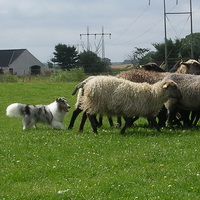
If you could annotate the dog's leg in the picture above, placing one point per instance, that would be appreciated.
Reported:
(57, 125)
(27, 122)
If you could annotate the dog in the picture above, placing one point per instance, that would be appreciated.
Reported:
(52, 115)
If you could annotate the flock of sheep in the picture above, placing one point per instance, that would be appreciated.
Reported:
(150, 92)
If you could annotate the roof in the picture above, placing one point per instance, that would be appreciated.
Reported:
(9, 56)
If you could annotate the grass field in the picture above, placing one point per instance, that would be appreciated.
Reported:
(54, 164)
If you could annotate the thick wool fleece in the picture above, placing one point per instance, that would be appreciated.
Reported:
(115, 96)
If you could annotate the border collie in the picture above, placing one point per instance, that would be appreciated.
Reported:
(52, 115)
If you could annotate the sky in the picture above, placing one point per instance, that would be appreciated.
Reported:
(39, 25)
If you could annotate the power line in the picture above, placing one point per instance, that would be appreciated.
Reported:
(165, 27)
(129, 26)
(102, 34)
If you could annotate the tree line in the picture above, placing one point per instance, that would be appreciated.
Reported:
(66, 57)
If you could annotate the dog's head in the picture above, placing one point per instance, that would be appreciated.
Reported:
(62, 104)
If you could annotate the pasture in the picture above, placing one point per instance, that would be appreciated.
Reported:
(54, 164)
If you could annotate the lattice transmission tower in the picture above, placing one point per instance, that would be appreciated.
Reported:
(165, 28)
(102, 34)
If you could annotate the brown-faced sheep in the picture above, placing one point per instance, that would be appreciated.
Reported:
(189, 67)
(113, 96)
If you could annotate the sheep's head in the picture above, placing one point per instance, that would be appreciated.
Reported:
(172, 89)
(152, 67)
(189, 67)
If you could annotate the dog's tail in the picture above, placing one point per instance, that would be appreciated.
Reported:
(14, 110)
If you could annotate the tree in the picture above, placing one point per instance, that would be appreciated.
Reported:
(160, 50)
(91, 63)
(174, 50)
(186, 46)
(137, 55)
(65, 56)
(178, 49)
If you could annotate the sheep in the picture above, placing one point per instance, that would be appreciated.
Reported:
(152, 67)
(114, 96)
(78, 110)
(139, 76)
(189, 86)
(189, 67)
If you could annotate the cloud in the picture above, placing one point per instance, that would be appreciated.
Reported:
(39, 25)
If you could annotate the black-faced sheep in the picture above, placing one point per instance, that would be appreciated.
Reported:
(152, 67)
(113, 96)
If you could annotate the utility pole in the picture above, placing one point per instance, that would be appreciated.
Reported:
(165, 29)
(102, 34)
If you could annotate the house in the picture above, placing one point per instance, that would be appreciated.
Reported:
(20, 62)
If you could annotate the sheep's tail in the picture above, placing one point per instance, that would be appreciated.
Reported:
(81, 85)
(14, 110)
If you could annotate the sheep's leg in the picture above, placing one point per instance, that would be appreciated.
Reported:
(154, 123)
(195, 117)
(83, 120)
(74, 116)
(98, 124)
(92, 119)
(128, 121)
(162, 117)
(119, 121)
(186, 120)
(110, 121)
(133, 120)
(100, 121)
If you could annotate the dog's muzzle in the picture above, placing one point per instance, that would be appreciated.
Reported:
(65, 108)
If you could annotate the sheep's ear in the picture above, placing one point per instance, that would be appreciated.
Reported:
(141, 66)
(165, 86)
(185, 63)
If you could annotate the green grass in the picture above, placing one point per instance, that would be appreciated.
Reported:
(54, 164)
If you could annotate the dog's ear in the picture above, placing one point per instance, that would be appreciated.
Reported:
(59, 99)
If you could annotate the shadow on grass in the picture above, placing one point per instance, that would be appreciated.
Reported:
(146, 131)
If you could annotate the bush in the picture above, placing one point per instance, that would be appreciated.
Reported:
(7, 77)
(92, 64)
(67, 76)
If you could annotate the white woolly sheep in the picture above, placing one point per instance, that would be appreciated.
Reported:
(113, 96)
